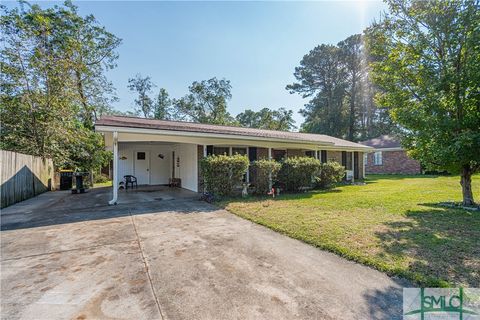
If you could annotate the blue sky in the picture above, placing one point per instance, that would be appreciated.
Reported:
(256, 45)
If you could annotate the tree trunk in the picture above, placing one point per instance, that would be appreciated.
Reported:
(466, 182)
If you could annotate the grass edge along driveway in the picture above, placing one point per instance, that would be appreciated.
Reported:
(393, 224)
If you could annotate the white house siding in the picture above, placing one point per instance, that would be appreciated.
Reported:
(160, 169)
(186, 168)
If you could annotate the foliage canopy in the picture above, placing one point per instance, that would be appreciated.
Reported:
(427, 63)
(53, 83)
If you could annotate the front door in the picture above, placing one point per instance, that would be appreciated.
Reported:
(142, 167)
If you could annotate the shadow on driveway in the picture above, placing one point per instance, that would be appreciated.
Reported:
(61, 207)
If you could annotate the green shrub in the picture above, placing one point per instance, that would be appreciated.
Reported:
(330, 173)
(263, 169)
(298, 172)
(100, 178)
(221, 174)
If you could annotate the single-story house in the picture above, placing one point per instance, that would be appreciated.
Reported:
(156, 150)
(389, 157)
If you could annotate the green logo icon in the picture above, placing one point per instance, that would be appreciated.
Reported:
(440, 303)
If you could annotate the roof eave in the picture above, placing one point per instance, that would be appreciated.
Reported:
(130, 129)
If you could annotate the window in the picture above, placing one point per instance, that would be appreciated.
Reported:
(241, 151)
(310, 153)
(377, 158)
(365, 158)
(140, 155)
(279, 155)
(221, 150)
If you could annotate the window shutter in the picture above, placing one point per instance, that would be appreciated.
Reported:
(252, 154)
(209, 150)
(344, 158)
(323, 156)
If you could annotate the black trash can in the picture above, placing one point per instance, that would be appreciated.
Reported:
(66, 179)
(79, 187)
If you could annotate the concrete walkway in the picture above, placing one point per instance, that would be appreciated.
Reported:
(175, 258)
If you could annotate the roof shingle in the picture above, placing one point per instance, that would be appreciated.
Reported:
(382, 142)
(134, 122)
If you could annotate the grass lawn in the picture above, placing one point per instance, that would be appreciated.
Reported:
(103, 184)
(392, 223)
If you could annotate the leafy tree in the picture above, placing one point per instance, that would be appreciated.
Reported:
(48, 97)
(91, 51)
(351, 53)
(280, 119)
(427, 63)
(322, 76)
(142, 86)
(162, 106)
(337, 81)
(206, 102)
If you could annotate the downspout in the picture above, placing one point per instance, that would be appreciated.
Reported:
(115, 169)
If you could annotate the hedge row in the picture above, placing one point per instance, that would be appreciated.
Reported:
(221, 174)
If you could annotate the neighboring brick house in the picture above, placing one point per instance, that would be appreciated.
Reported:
(389, 157)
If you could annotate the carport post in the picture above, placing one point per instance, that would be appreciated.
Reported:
(353, 166)
(270, 174)
(363, 164)
(115, 169)
(247, 177)
(205, 154)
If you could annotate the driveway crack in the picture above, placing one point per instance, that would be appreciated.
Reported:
(146, 265)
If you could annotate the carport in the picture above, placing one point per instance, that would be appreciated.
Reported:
(153, 158)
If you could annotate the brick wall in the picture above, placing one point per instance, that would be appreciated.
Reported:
(360, 165)
(262, 153)
(334, 156)
(295, 153)
(394, 162)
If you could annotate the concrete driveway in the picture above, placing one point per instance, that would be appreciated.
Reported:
(175, 258)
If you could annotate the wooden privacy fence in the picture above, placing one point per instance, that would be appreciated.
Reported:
(23, 176)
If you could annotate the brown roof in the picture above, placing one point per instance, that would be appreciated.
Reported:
(382, 142)
(134, 122)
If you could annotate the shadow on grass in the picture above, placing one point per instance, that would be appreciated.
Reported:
(443, 243)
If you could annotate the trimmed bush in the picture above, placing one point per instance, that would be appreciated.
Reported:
(221, 174)
(263, 169)
(329, 174)
(298, 173)
(100, 178)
